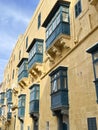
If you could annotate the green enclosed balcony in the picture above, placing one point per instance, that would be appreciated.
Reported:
(9, 96)
(59, 89)
(34, 100)
(35, 59)
(23, 71)
(21, 106)
(57, 26)
(2, 97)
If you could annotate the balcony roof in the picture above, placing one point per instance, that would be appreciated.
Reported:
(54, 10)
(93, 48)
(21, 61)
(21, 95)
(33, 42)
(33, 86)
(57, 69)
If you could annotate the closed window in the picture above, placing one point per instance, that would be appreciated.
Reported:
(78, 8)
(39, 20)
(19, 54)
(92, 123)
(26, 42)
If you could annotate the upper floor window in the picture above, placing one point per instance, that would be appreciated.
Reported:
(26, 42)
(19, 54)
(59, 79)
(39, 20)
(92, 123)
(78, 8)
(13, 74)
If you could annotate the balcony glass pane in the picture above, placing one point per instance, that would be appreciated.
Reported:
(96, 69)
(65, 17)
(95, 56)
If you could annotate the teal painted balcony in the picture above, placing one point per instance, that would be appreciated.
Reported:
(34, 99)
(23, 69)
(9, 96)
(34, 106)
(2, 97)
(62, 28)
(9, 116)
(59, 89)
(35, 51)
(59, 100)
(57, 26)
(21, 106)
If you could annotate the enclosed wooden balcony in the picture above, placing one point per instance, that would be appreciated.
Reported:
(35, 59)
(23, 72)
(57, 26)
(59, 89)
(34, 100)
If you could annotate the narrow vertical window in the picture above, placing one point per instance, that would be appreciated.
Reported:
(39, 20)
(47, 125)
(19, 54)
(78, 8)
(92, 123)
(26, 42)
(13, 74)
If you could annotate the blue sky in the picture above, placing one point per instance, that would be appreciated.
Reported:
(15, 16)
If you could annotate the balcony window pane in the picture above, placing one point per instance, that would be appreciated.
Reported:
(65, 17)
(96, 56)
(54, 86)
(96, 69)
(58, 19)
(65, 9)
(65, 82)
(54, 24)
(37, 94)
(58, 83)
(40, 49)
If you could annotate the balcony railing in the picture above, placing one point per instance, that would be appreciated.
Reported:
(34, 106)
(37, 58)
(62, 28)
(23, 74)
(21, 112)
(59, 100)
